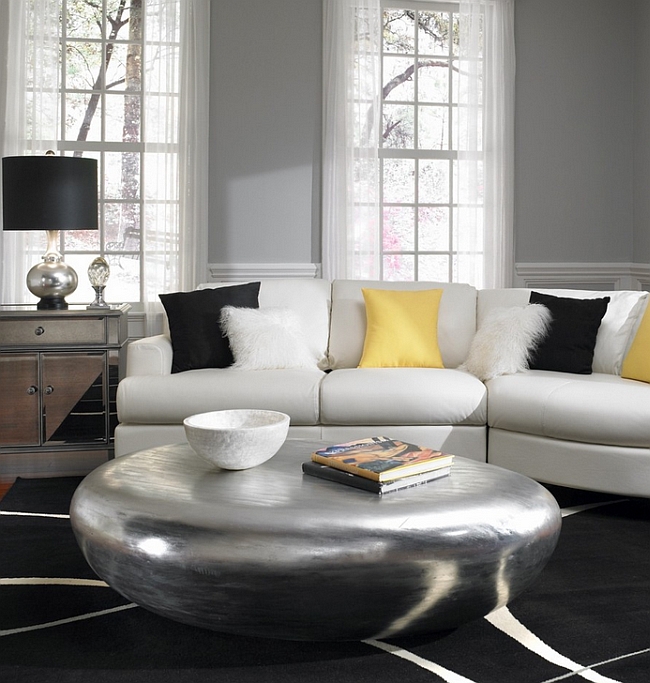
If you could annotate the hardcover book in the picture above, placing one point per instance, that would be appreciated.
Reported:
(315, 469)
(382, 459)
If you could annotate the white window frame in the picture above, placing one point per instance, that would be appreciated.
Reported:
(418, 154)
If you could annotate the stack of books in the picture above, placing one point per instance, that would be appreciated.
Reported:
(378, 464)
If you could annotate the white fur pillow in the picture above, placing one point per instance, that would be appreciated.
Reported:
(503, 343)
(265, 338)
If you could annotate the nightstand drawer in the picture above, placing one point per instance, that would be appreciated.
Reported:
(48, 332)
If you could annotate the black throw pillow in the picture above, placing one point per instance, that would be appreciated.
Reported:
(193, 318)
(571, 339)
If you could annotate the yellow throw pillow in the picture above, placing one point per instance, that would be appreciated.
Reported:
(402, 329)
(637, 362)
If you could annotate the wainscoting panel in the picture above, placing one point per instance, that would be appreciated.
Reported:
(600, 276)
(241, 272)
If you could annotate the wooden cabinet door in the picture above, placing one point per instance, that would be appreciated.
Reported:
(74, 405)
(19, 400)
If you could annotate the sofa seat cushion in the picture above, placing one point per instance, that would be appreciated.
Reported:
(598, 408)
(402, 396)
(170, 399)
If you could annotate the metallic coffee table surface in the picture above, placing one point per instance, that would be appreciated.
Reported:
(274, 553)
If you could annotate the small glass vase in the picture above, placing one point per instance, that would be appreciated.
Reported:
(98, 274)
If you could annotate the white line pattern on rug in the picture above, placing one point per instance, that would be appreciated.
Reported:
(10, 513)
(593, 666)
(567, 512)
(51, 581)
(505, 621)
(445, 674)
(70, 620)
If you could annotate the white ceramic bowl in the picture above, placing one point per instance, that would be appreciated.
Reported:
(237, 439)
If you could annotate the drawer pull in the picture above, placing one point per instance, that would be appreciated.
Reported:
(49, 389)
(39, 331)
(32, 390)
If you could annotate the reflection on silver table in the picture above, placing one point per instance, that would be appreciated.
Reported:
(270, 552)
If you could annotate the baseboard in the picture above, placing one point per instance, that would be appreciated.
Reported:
(239, 272)
(605, 276)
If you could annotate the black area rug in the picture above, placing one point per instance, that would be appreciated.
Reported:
(586, 618)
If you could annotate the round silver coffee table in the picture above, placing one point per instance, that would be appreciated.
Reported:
(274, 553)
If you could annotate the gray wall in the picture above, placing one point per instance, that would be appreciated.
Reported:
(574, 130)
(578, 182)
(265, 111)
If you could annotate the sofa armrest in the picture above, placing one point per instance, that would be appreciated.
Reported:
(149, 356)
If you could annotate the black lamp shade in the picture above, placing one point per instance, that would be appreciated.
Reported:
(49, 193)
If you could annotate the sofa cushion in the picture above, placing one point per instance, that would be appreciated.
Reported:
(456, 319)
(194, 324)
(401, 329)
(598, 408)
(402, 396)
(570, 341)
(308, 298)
(614, 333)
(503, 343)
(637, 361)
(265, 338)
(169, 399)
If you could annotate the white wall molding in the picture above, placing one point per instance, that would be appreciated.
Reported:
(238, 272)
(641, 275)
(605, 276)
(137, 327)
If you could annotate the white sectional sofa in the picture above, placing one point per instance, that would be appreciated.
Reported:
(588, 431)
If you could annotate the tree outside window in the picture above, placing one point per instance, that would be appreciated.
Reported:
(105, 66)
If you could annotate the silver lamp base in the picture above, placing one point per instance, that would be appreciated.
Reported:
(52, 281)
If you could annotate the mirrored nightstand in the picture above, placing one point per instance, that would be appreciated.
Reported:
(59, 372)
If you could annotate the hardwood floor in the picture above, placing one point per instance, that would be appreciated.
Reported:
(4, 487)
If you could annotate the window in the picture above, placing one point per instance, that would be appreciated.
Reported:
(107, 68)
(419, 142)
(125, 82)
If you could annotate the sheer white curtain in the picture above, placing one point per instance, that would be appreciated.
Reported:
(485, 167)
(31, 118)
(351, 109)
(194, 126)
(176, 82)
(484, 139)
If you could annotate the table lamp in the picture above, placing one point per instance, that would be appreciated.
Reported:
(50, 193)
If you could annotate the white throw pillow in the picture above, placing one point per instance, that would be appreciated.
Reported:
(503, 343)
(266, 339)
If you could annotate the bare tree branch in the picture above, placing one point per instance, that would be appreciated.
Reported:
(407, 74)
(116, 25)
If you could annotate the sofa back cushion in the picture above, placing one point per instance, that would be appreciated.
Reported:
(456, 319)
(308, 298)
(614, 333)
